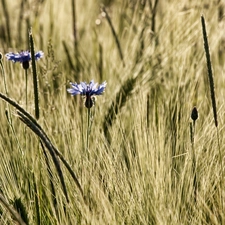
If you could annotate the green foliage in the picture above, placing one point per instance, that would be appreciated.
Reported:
(151, 159)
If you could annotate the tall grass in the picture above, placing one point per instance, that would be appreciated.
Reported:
(142, 167)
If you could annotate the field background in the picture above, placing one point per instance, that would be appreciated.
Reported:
(141, 166)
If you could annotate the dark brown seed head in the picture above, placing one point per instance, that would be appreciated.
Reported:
(194, 114)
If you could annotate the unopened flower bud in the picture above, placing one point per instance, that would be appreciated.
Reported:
(194, 114)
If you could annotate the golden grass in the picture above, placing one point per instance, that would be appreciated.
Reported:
(145, 173)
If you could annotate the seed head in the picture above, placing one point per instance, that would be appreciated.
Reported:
(194, 114)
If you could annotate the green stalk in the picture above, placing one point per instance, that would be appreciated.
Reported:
(194, 166)
(194, 117)
(88, 128)
(26, 86)
(25, 130)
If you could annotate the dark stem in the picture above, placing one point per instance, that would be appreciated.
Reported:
(35, 78)
(210, 73)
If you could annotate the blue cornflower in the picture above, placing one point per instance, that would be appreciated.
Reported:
(23, 57)
(87, 90)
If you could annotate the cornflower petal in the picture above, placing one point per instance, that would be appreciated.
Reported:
(16, 57)
(39, 55)
(83, 87)
(93, 87)
(101, 88)
(75, 90)
(23, 56)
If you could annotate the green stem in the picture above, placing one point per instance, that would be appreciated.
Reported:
(26, 87)
(88, 128)
(221, 167)
(194, 166)
(25, 132)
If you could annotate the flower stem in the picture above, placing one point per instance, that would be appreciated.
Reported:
(25, 131)
(26, 86)
(88, 128)
(194, 164)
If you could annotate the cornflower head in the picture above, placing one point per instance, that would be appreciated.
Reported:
(23, 57)
(87, 90)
